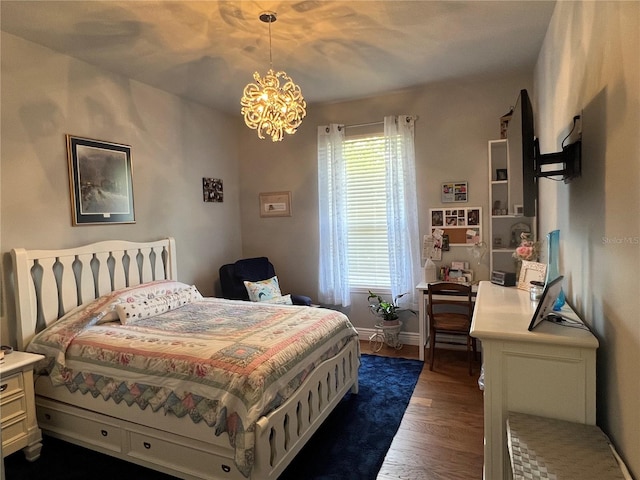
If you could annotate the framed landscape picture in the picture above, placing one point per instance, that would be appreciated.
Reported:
(100, 181)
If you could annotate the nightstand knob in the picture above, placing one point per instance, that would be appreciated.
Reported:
(3, 387)
(104, 433)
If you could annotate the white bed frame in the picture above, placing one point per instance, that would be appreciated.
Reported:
(49, 283)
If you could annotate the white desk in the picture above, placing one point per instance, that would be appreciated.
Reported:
(423, 321)
(549, 372)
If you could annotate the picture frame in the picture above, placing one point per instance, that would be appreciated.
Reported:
(531, 271)
(452, 192)
(501, 174)
(275, 204)
(100, 181)
(461, 225)
(518, 210)
(212, 190)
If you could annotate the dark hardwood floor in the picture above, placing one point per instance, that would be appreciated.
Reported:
(441, 434)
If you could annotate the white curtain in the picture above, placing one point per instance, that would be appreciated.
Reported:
(402, 208)
(334, 259)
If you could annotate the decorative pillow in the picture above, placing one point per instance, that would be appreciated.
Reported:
(157, 305)
(144, 291)
(282, 300)
(263, 290)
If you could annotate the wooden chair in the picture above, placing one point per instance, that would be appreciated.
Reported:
(449, 315)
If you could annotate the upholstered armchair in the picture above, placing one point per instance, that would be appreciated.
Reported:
(233, 276)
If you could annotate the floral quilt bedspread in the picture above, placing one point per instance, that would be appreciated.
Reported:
(220, 361)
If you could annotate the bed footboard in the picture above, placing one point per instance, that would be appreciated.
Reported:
(281, 434)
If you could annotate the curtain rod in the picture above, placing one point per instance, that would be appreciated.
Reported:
(356, 125)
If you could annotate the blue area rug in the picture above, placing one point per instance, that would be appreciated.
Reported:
(350, 445)
(353, 441)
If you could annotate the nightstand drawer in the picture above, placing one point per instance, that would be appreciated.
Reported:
(12, 408)
(11, 385)
(14, 431)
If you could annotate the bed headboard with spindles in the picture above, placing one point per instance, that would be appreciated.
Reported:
(49, 283)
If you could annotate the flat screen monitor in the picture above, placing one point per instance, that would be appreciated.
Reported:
(545, 305)
(522, 154)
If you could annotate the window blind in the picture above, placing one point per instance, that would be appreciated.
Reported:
(366, 211)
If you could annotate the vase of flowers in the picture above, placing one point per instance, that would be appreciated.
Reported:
(528, 250)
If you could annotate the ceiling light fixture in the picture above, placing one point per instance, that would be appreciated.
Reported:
(268, 106)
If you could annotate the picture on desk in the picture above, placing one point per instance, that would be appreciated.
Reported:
(545, 304)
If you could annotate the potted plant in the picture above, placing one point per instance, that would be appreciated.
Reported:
(388, 311)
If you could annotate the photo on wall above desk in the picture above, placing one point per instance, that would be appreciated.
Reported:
(462, 226)
(454, 192)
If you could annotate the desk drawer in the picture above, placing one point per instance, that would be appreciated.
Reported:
(11, 385)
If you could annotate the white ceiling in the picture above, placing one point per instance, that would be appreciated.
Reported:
(207, 51)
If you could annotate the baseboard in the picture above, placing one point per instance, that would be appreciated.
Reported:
(452, 342)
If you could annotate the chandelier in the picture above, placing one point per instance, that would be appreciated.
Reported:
(273, 105)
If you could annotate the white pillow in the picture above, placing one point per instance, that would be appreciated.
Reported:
(282, 300)
(128, 312)
(144, 291)
(263, 290)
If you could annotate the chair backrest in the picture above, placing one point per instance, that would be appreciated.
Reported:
(233, 276)
(445, 297)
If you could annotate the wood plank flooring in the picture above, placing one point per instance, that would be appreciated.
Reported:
(441, 434)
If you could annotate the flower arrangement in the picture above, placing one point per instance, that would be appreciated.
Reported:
(528, 249)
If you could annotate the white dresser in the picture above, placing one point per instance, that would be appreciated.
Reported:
(17, 406)
(549, 372)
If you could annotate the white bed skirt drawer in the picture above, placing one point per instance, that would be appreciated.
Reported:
(87, 430)
(160, 451)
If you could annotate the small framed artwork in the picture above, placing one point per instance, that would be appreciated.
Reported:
(501, 174)
(212, 190)
(437, 220)
(518, 210)
(275, 204)
(100, 181)
(454, 192)
(531, 271)
(473, 217)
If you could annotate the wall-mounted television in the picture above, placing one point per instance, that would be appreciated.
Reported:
(565, 165)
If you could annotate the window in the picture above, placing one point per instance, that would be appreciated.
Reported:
(366, 211)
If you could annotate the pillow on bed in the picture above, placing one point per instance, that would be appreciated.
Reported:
(144, 291)
(282, 300)
(157, 305)
(263, 290)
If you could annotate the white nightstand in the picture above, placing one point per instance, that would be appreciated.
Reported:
(17, 406)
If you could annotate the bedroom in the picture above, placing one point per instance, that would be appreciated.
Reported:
(588, 61)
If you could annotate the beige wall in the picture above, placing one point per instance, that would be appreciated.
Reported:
(456, 119)
(589, 64)
(174, 144)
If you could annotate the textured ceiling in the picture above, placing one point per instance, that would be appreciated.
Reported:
(207, 51)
